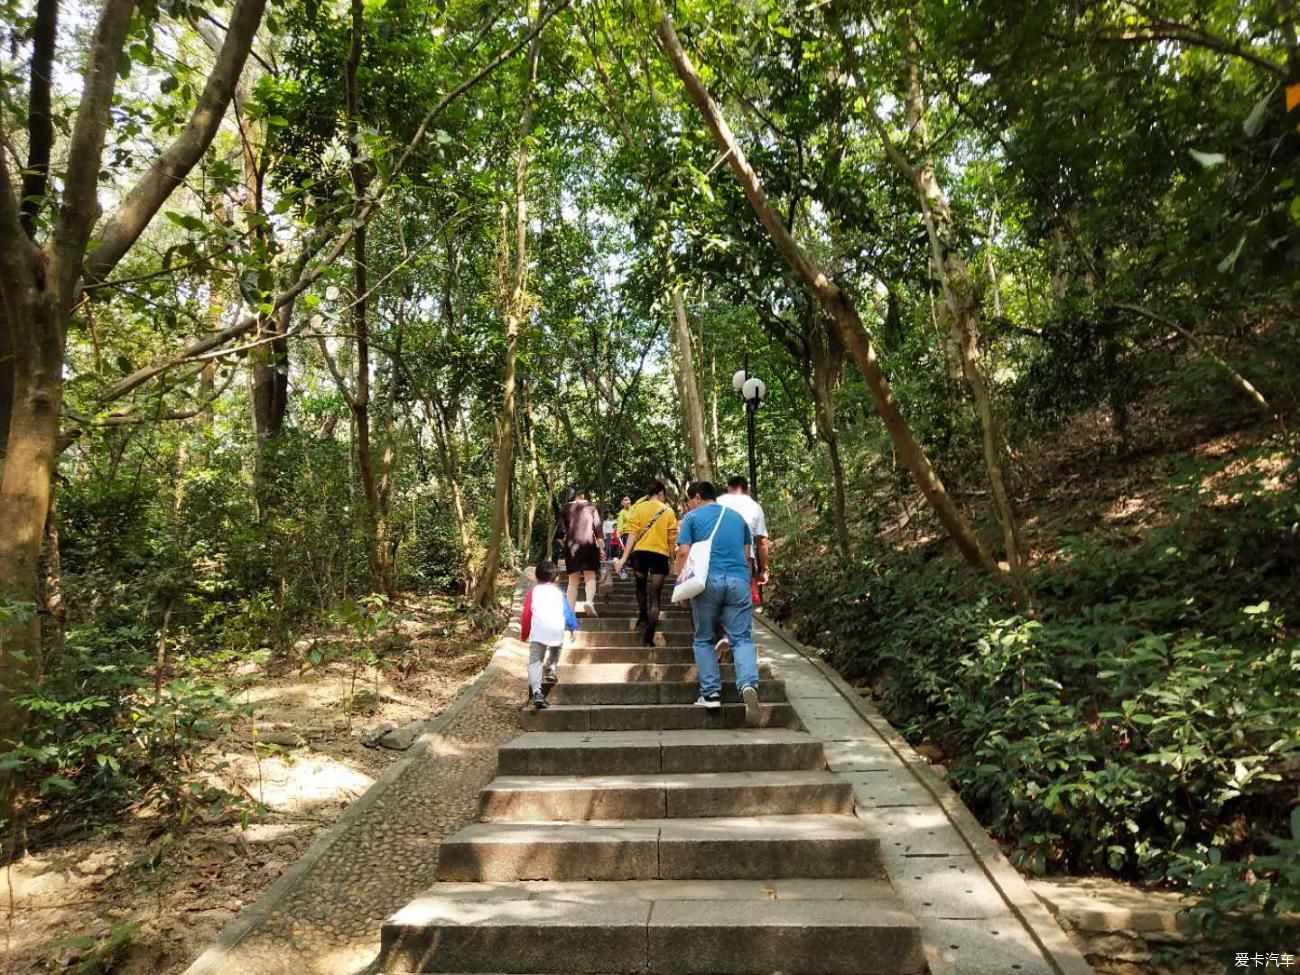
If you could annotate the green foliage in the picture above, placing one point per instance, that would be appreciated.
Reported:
(102, 734)
(1144, 721)
(101, 953)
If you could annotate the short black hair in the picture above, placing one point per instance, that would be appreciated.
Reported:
(739, 481)
(580, 491)
(654, 487)
(702, 489)
(545, 570)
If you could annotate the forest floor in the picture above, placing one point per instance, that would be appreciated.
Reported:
(165, 895)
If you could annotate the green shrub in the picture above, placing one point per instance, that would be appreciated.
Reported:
(1143, 720)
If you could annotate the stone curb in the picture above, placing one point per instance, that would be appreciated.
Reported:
(213, 959)
(1056, 946)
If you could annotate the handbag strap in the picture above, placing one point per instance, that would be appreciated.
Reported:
(646, 530)
(718, 524)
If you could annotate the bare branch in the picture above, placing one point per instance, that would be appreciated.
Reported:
(16, 248)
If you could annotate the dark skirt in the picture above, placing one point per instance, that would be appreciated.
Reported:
(582, 558)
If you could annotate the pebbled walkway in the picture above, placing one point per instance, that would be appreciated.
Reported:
(329, 920)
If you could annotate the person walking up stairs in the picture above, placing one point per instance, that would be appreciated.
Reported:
(652, 535)
(546, 617)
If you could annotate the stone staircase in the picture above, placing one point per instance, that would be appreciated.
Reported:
(629, 831)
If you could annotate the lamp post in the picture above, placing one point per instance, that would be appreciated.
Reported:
(752, 390)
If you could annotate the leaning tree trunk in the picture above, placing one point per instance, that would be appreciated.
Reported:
(836, 305)
(516, 307)
(692, 406)
(960, 305)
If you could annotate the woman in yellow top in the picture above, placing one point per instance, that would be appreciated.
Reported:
(623, 529)
(652, 535)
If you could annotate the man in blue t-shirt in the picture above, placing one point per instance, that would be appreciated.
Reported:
(726, 595)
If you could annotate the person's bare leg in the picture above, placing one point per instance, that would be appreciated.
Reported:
(573, 589)
(591, 578)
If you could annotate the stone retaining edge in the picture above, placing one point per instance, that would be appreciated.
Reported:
(213, 957)
(1046, 931)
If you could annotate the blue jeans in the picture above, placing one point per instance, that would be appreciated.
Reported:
(726, 596)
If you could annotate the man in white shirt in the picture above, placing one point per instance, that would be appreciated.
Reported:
(738, 500)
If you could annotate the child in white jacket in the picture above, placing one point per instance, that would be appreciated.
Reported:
(547, 615)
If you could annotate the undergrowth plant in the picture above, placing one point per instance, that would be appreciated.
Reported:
(1141, 719)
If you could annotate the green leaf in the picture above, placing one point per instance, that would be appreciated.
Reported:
(1208, 159)
(51, 782)
(1229, 262)
(1254, 123)
(82, 941)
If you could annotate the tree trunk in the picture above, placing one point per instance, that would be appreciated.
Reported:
(995, 289)
(515, 311)
(376, 521)
(960, 305)
(692, 408)
(37, 287)
(26, 488)
(837, 306)
(826, 355)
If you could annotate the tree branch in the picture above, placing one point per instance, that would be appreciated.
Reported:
(1162, 30)
(170, 169)
(1245, 384)
(86, 148)
(16, 248)
(40, 121)
(307, 279)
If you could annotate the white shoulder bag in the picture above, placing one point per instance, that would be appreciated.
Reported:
(695, 573)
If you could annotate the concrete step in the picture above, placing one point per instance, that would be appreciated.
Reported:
(723, 848)
(652, 692)
(628, 610)
(798, 927)
(627, 597)
(606, 638)
(612, 673)
(670, 796)
(628, 655)
(649, 717)
(649, 752)
(606, 624)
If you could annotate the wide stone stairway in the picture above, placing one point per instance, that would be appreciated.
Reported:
(630, 831)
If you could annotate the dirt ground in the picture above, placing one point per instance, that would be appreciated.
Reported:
(126, 901)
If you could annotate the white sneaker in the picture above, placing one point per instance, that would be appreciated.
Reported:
(722, 648)
(753, 713)
(711, 701)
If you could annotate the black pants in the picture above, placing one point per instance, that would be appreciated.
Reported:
(651, 571)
